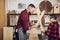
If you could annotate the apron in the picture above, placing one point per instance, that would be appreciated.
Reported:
(33, 34)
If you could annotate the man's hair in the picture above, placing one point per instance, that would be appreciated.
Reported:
(32, 5)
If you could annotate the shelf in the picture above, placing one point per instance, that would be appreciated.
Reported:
(8, 18)
(36, 14)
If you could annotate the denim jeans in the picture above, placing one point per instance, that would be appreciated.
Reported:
(53, 38)
(22, 36)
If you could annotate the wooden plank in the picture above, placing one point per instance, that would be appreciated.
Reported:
(8, 33)
(2, 17)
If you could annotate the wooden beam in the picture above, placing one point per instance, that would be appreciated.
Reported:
(2, 17)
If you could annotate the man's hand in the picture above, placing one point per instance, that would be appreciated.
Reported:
(16, 30)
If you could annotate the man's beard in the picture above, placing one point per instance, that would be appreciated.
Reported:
(29, 13)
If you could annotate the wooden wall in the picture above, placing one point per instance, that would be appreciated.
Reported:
(2, 17)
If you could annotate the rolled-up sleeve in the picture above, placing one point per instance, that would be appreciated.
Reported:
(19, 23)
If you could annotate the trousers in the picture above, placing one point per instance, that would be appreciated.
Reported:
(22, 36)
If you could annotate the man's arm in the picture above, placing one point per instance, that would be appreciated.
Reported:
(18, 23)
(19, 20)
(25, 21)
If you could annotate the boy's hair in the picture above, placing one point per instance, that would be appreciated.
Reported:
(53, 16)
(32, 5)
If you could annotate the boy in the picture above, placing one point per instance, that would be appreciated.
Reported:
(53, 29)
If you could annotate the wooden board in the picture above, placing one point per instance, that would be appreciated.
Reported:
(8, 33)
(33, 34)
(2, 17)
(45, 5)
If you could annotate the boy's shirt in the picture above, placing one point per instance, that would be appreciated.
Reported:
(53, 29)
(59, 32)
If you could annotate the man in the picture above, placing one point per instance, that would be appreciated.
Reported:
(53, 29)
(23, 21)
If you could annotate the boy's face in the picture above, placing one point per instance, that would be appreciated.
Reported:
(52, 20)
(32, 23)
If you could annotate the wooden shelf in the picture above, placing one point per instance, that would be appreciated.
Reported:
(8, 18)
(36, 14)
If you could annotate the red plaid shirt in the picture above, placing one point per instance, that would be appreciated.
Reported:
(53, 29)
(23, 20)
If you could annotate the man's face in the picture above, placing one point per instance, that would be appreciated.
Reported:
(52, 20)
(31, 9)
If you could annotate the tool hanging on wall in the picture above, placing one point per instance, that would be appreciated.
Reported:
(45, 5)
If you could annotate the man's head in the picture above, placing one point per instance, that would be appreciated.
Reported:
(52, 19)
(31, 8)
